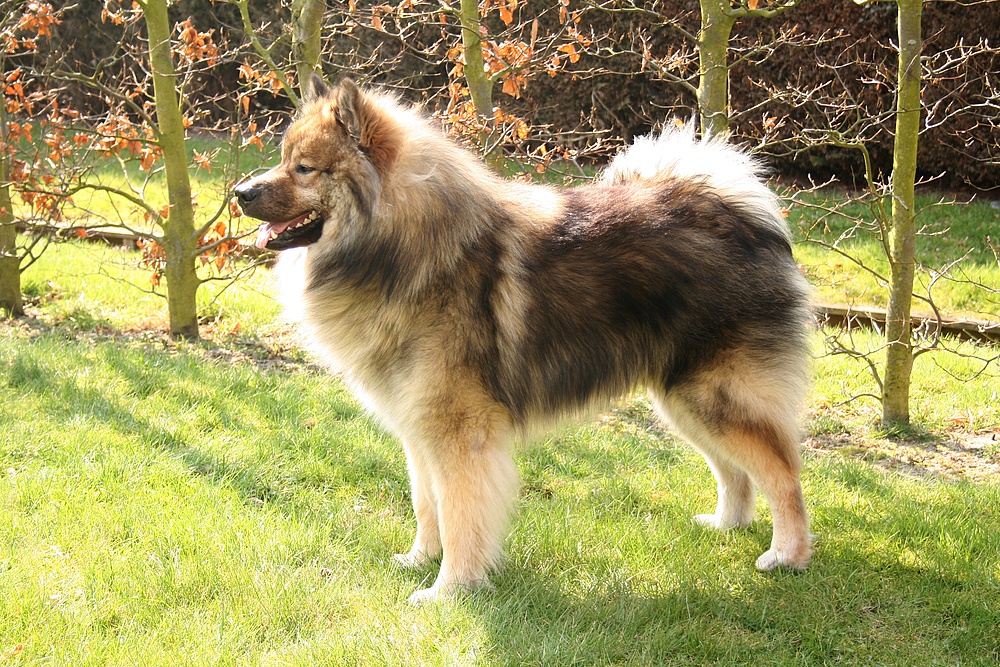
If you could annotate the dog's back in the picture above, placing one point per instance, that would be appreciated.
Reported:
(643, 283)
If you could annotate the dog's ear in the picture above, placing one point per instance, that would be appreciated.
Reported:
(371, 130)
(349, 109)
(316, 88)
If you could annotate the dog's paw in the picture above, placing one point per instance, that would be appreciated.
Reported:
(773, 559)
(448, 591)
(426, 596)
(410, 561)
(719, 522)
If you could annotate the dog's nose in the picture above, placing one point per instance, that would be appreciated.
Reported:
(245, 193)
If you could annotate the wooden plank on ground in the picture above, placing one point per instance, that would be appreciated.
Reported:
(866, 317)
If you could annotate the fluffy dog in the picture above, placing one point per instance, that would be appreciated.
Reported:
(466, 310)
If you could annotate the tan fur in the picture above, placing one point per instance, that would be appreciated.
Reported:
(435, 289)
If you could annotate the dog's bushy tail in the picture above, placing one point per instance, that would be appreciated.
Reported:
(676, 153)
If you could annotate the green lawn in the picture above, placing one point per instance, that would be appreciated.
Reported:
(168, 504)
(227, 503)
(949, 232)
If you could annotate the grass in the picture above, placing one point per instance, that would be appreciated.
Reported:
(161, 506)
(952, 387)
(949, 232)
(226, 503)
(97, 286)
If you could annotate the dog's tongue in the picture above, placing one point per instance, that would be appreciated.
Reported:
(269, 230)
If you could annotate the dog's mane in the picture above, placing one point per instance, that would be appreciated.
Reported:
(436, 193)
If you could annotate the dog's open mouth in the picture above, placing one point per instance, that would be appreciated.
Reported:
(300, 231)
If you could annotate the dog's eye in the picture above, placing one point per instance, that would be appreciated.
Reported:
(304, 169)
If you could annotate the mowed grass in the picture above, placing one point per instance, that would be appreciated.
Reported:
(160, 507)
(950, 231)
(227, 503)
(96, 287)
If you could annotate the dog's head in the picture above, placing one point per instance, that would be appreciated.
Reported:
(333, 158)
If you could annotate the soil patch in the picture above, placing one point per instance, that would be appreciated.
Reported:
(971, 455)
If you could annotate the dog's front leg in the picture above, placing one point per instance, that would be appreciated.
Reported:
(475, 481)
(427, 544)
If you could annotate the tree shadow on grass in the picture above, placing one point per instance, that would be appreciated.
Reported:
(904, 573)
(777, 622)
(848, 608)
(176, 381)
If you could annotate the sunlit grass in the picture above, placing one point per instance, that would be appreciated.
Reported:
(95, 285)
(161, 507)
(959, 385)
(950, 232)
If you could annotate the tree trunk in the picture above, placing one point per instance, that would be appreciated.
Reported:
(10, 263)
(713, 81)
(307, 45)
(179, 237)
(479, 83)
(480, 86)
(903, 234)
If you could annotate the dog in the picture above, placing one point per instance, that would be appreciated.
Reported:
(466, 310)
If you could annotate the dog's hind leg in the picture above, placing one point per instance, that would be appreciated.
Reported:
(747, 431)
(427, 543)
(735, 507)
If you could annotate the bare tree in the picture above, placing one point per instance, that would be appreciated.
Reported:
(479, 84)
(717, 20)
(144, 97)
(888, 103)
(179, 239)
(10, 260)
(20, 29)
(307, 37)
(489, 51)
(903, 231)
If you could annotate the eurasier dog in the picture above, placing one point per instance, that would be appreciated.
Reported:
(466, 310)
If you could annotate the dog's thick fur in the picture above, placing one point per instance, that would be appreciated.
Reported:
(465, 310)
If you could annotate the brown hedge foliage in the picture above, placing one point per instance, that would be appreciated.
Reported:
(613, 91)
(964, 150)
